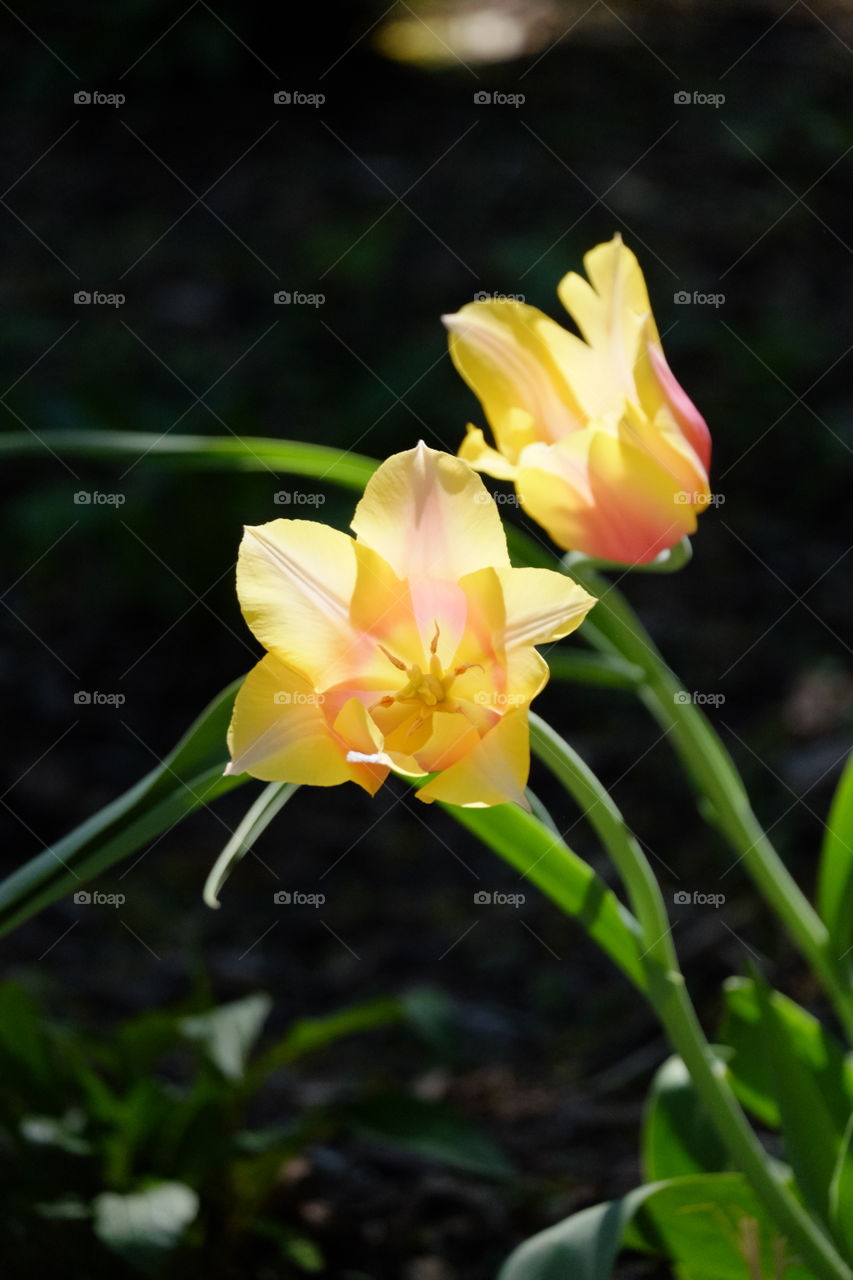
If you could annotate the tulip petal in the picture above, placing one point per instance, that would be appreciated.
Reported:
(453, 736)
(295, 580)
(495, 772)
(429, 516)
(629, 508)
(541, 606)
(519, 363)
(527, 673)
(278, 731)
(612, 308)
(482, 457)
(653, 374)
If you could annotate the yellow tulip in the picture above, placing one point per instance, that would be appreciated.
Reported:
(606, 451)
(408, 647)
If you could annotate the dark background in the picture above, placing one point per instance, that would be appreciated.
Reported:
(397, 199)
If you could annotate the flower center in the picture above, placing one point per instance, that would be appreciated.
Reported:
(429, 689)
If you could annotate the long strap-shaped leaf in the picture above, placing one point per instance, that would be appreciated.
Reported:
(545, 860)
(188, 777)
(192, 775)
(243, 453)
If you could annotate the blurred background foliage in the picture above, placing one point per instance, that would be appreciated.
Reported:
(398, 199)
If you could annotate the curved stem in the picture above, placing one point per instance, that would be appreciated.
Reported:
(614, 628)
(668, 996)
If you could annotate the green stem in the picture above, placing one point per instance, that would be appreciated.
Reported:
(667, 993)
(614, 628)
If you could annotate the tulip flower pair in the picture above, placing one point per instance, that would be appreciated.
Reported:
(410, 647)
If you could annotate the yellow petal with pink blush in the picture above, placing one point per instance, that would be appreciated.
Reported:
(630, 507)
(430, 516)
(278, 730)
(495, 772)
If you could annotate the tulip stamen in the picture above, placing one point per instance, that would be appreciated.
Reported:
(401, 666)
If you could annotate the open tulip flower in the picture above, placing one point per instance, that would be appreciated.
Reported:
(606, 451)
(408, 647)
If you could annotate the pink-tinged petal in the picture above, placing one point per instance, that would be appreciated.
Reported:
(682, 408)
(630, 509)
(430, 516)
(279, 733)
(441, 609)
(295, 580)
(495, 772)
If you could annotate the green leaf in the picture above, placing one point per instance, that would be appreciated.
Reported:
(583, 1247)
(229, 1033)
(299, 1250)
(712, 1227)
(841, 1194)
(835, 877)
(146, 1225)
(190, 776)
(33, 1068)
(812, 1138)
(428, 1011)
(546, 861)
(254, 823)
(679, 1138)
(430, 1130)
(751, 1073)
(229, 453)
(601, 669)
